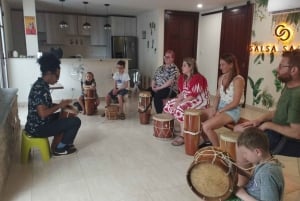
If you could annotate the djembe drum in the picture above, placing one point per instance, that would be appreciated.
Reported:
(212, 175)
(144, 107)
(66, 112)
(111, 112)
(163, 126)
(228, 143)
(192, 129)
(90, 100)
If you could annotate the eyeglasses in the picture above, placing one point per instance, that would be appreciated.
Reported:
(283, 65)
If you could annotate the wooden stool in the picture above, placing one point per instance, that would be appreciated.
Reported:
(28, 142)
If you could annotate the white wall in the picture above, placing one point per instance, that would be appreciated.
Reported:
(149, 58)
(208, 48)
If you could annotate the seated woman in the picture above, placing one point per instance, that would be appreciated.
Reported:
(226, 107)
(193, 94)
(90, 84)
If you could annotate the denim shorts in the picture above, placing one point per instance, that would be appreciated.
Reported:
(122, 92)
(234, 113)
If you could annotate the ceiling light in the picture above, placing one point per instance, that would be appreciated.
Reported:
(63, 24)
(86, 25)
(107, 26)
(199, 5)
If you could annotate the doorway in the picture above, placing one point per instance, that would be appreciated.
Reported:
(236, 37)
(181, 31)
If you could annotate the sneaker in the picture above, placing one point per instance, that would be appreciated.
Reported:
(64, 151)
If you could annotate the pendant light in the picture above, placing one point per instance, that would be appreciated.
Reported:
(86, 25)
(107, 26)
(63, 24)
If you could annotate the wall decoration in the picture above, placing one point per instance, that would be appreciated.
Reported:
(30, 25)
(152, 27)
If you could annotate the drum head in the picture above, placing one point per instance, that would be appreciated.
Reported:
(145, 94)
(209, 181)
(229, 136)
(192, 112)
(163, 117)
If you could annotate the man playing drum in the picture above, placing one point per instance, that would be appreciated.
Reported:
(42, 118)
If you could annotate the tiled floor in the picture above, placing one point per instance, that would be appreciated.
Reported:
(118, 160)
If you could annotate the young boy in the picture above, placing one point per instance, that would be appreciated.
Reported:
(121, 83)
(266, 182)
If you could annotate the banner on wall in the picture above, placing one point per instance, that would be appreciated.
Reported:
(30, 25)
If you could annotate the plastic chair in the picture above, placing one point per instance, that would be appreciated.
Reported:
(29, 142)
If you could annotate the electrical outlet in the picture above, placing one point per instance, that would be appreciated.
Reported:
(72, 89)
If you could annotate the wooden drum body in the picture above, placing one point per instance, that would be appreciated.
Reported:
(111, 112)
(163, 125)
(212, 176)
(144, 107)
(90, 105)
(67, 112)
(228, 143)
(192, 129)
(89, 92)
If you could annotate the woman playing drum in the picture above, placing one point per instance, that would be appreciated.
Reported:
(193, 94)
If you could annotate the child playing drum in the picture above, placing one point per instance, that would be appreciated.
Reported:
(266, 182)
(89, 91)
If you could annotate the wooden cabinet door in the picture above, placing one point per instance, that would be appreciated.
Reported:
(130, 26)
(98, 33)
(72, 22)
(41, 22)
(117, 26)
(54, 34)
(18, 32)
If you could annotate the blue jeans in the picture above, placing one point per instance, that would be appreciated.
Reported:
(67, 126)
(233, 113)
(281, 145)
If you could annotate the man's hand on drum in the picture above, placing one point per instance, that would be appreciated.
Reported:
(241, 127)
(65, 103)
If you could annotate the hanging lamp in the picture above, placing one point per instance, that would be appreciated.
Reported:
(107, 26)
(63, 24)
(86, 25)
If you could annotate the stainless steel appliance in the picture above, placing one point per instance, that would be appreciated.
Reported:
(125, 47)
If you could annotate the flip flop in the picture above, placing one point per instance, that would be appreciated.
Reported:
(179, 140)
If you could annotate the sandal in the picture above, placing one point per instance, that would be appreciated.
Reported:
(205, 144)
(179, 140)
(121, 116)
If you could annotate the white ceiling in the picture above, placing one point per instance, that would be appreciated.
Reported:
(128, 7)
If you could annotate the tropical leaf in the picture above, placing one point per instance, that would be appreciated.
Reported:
(271, 57)
(278, 84)
(267, 99)
(251, 82)
(257, 58)
(262, 56)
(258, 83)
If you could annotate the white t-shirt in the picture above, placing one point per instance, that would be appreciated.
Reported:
(121, 78)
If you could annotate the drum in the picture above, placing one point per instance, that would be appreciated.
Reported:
(111, 112)
(163, 125)
(89, 92)
(66, 112)
(144, 106)
(228, 143)
(192, 129)
(90, 105)
(212, 175)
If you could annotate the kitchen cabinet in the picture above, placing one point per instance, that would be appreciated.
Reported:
(73, 24)
(98, 34)
(54, 34)
(41, 22)
(81, 20)
(18, 31)
(123, 26)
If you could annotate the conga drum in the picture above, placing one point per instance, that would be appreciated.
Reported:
(163, 126)
(144, 107)
(111, 112)
(66, 112)
(90, 105)
(89, 92)
(192, 129)
(212, 175)
(228, 143)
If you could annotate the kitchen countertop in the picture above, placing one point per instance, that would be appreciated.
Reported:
(6, 97)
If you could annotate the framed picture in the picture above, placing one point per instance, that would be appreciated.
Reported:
(30, 25)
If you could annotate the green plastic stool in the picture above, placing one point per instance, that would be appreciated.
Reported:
(28, 142)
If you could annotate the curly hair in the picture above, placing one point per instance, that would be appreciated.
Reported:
(48, 63)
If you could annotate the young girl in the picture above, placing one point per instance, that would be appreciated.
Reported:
(89, 84)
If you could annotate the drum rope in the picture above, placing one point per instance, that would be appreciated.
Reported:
(223, 156)
(145, 109)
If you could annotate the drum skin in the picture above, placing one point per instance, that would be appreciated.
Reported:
(212, 176)
(163, 126)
